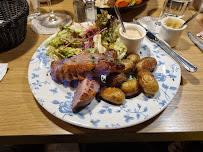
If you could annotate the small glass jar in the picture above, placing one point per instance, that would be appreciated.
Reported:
(90, 10)
(79, 11)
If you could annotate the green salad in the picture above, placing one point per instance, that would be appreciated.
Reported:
(98, 37)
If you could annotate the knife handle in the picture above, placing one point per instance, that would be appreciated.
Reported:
(181, 60)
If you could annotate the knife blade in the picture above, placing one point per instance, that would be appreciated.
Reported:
(177, 57)
(197, 42)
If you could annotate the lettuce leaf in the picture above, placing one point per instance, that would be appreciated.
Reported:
(120, 48)
(98, 44)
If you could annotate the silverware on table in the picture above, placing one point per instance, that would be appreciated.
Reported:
(196, 41)
(119, 18)
(177, 57)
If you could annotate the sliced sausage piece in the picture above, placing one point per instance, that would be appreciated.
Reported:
(84, 94)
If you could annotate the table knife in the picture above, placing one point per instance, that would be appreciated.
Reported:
(177, 57)
(196, 41)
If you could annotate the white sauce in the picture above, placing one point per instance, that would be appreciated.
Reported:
(132, 34)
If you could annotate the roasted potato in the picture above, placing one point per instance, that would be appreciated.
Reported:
(115, 79)
(146, 63)
(129, 66)
(133, 57)
(131, 87)
(148, 82)
(113, 95)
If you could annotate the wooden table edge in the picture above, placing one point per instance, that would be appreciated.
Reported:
(101, 138)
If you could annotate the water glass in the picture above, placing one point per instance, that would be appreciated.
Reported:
(34, 9)
(177, 8)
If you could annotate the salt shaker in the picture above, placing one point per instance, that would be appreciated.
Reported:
(90, 10)
(79, 11)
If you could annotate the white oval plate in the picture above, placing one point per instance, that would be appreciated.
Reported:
(57, 99)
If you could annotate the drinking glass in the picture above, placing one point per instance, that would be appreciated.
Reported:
(53, 20)
(34, 9)
(153, 23)
(175, 8)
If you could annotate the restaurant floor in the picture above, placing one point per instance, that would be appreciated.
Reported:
(195, 146)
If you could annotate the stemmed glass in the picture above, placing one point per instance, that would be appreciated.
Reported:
(153, 23)
(53, 20)
(158, 22)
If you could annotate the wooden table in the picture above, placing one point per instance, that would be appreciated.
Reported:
(23, 120)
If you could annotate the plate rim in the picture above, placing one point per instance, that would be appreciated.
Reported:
(104, 128)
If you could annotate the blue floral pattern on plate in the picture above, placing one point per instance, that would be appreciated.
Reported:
(57, 99)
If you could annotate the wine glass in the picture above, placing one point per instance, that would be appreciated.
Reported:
(53, 20)
(153, 23)
(158, 22)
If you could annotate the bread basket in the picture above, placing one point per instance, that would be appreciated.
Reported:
(13, 26)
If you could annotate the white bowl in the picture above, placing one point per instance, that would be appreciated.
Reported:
(171, 35)
(133, 44)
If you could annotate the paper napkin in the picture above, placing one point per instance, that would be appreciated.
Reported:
(200, 35)
(3, 70)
